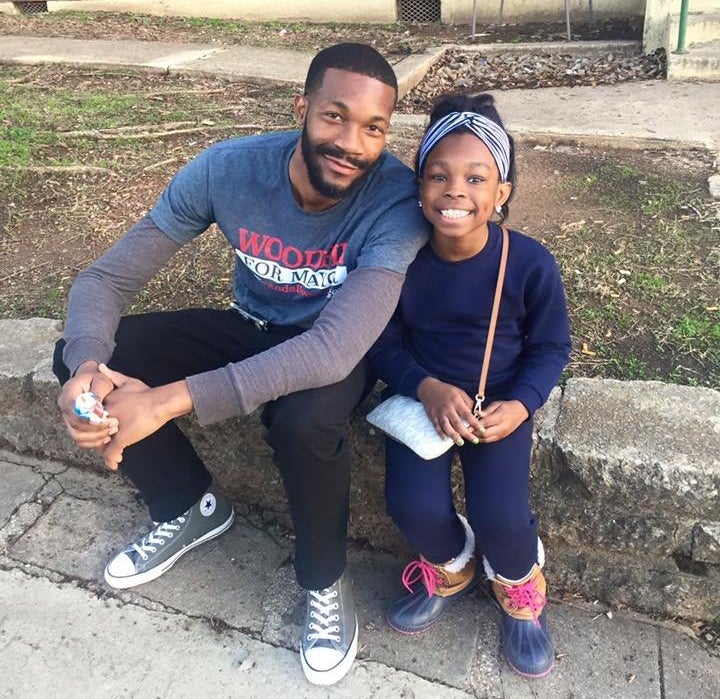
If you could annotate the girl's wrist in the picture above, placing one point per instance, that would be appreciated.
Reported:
(424, 385)
(520, 406)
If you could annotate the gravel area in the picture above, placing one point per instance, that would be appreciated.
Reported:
(477, 71)
(397, 38)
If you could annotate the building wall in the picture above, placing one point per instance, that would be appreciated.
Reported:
(460, 11)
(657, 25)
(379, 11)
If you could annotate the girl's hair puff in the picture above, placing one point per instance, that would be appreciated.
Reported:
(483, 104)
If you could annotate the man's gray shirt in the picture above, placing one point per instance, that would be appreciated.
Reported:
(290, 264)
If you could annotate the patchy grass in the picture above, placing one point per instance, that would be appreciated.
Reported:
(42, 126)
(643, 277)
(84, 153)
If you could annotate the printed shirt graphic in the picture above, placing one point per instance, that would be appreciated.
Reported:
(291, 261)
(288, 268)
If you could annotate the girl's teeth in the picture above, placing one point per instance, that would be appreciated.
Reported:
(454, 213)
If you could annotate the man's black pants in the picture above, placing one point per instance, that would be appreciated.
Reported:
(307, 430)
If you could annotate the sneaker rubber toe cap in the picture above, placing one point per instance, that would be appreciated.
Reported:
(323, 659)
(120, 567)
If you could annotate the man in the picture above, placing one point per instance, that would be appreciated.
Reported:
(324, 225)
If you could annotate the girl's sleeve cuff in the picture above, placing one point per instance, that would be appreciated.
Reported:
(411, 380)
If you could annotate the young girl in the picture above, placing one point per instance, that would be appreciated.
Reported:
(433, 350)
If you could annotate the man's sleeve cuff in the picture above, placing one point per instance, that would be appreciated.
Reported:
(213, 396)
(83, 350)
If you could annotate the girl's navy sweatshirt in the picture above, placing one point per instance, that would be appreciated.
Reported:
(440, 325)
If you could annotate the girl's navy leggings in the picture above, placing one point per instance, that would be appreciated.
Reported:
(420, 502)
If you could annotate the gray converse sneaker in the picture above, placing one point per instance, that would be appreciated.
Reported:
(149, 558)
(329, 640)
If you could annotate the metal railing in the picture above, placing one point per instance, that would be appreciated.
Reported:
(567, 17)
(682, 28)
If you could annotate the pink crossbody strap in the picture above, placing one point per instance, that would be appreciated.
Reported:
(480, 397)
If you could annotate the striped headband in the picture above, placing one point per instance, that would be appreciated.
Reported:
(492, 135)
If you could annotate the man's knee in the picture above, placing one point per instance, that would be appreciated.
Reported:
(308, 429)
(62, 373)
(133, 339)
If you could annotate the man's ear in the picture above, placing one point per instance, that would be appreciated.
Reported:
(300, 109)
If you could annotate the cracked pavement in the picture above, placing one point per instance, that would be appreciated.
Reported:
(225, 620)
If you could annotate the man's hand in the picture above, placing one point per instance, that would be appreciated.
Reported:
(85, 434)
(140, 410)
(501, 418)
(450, 409)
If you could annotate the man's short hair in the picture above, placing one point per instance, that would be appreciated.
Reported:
(355, 58)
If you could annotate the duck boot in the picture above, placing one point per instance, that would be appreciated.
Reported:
(526, 638)
(433, 588)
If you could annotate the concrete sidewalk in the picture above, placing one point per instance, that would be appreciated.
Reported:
(225, 621)
(642, 112)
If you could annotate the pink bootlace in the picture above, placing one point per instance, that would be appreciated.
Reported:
(421, 570)
(526, 595)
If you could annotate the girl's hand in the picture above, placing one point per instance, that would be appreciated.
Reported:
(450, 410)
(501, 418)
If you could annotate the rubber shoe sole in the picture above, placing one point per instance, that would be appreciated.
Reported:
(336, 673)
(528, 675)
(157, 571)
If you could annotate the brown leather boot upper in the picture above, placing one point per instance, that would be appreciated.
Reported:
(450, 583)
(524, 599)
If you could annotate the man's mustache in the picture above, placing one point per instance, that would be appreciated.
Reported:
(340, 154)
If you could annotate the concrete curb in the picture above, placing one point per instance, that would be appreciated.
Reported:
(568, 48)
(627, 489)
(523, 134)
(411, 70)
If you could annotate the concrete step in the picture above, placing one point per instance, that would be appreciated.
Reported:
(701, 27)
(700, 62)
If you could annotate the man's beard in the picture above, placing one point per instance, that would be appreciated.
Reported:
(312, 154)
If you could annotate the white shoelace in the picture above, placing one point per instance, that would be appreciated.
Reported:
(157, 537)
(321, 601)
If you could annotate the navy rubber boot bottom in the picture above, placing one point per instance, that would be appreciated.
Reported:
(529, 649)
(416, 612)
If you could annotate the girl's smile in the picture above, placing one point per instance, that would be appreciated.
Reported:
(454, 213)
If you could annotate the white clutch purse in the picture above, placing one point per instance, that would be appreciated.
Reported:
(405, 420)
